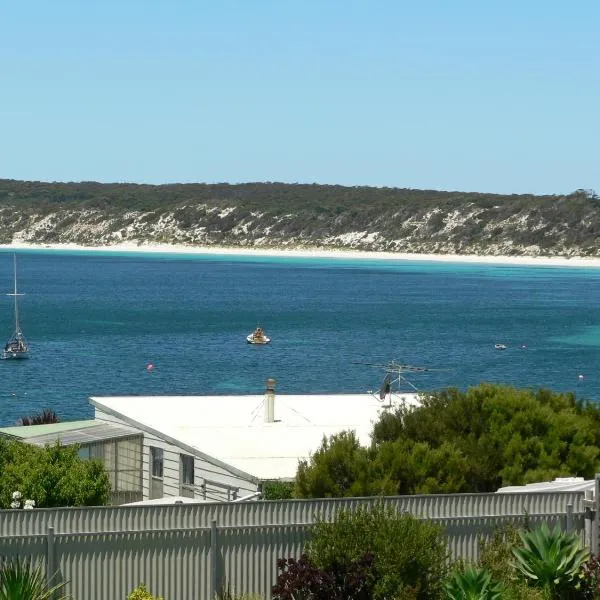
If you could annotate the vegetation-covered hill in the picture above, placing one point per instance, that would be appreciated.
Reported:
(277, 215)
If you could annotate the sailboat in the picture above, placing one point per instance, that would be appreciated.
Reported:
(16, 347)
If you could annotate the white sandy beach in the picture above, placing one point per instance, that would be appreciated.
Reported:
(316, 253)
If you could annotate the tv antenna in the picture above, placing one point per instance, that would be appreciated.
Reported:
(395, 377)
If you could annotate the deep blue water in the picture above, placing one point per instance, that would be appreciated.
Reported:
(95, 320)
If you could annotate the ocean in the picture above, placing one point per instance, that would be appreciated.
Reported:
(95, 321)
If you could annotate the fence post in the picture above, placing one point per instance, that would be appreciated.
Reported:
(569, 518)
(596, 515)
(50, 556)
(214, 567)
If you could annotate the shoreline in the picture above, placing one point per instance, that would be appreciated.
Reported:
(125, 247)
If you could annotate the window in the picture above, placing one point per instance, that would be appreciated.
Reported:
(122, 459)
(187, 475)
(156, 462)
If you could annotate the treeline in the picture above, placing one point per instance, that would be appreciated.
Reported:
(299, 215)
(479, 440)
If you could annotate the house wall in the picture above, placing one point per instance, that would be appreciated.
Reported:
(212, 482)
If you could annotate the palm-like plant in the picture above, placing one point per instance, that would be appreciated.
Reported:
(551, 559)
(473, 584)
(22, 581)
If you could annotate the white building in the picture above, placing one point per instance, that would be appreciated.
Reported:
(222, 447)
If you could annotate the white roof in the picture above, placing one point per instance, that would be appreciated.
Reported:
(168, 500)
(232, 429)
(560, 484)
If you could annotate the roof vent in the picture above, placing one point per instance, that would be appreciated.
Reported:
(270, 401)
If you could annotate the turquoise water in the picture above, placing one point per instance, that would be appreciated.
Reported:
(96, 320)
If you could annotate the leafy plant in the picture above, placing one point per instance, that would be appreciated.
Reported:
(473, 584)
(590, 579)
(51, 476)
(20, 580)
(277, 490)
(496, 557)
(43, 418)
(410, 555)
(142, 593)
(302, 580)
(551, 559)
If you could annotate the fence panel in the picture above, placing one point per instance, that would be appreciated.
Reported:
(31, 548)
(172, 563)
(248, 555)
(131, 518)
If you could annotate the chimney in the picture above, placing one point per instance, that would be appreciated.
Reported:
(270, 401)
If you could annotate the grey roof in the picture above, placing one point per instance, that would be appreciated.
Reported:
(85, 435)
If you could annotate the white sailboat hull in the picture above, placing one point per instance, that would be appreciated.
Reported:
(9, 355)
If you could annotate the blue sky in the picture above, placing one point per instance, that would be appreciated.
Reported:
(475, 96)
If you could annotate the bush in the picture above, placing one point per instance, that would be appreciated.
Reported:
(473, 584)
(277, 490)
(496, 557)
(52, 476)
(410, 556)
(300, 579)
(21, 580)
(142, 593)
(551, 560)
(590, 579)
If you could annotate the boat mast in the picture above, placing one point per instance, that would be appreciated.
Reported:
(15, 294)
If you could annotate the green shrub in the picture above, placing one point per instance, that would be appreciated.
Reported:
(410, 556)
(590, 582)
(473, 584)
(141, 593)
(277, 490)
(496, 557)
(551, 560)
(24, 581)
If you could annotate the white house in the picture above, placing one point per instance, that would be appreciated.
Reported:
(222, 447)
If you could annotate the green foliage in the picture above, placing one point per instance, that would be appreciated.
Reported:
(142, 593)
(473, 584)
(551, 559)
(473, 441)
(497, 558)
(51, 476)
(21, 580)
(590, 580)
(277, 490)
(409, 555)
(340, 467)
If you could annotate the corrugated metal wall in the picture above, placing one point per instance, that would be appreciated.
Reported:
(123, 518)
(106, 552)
